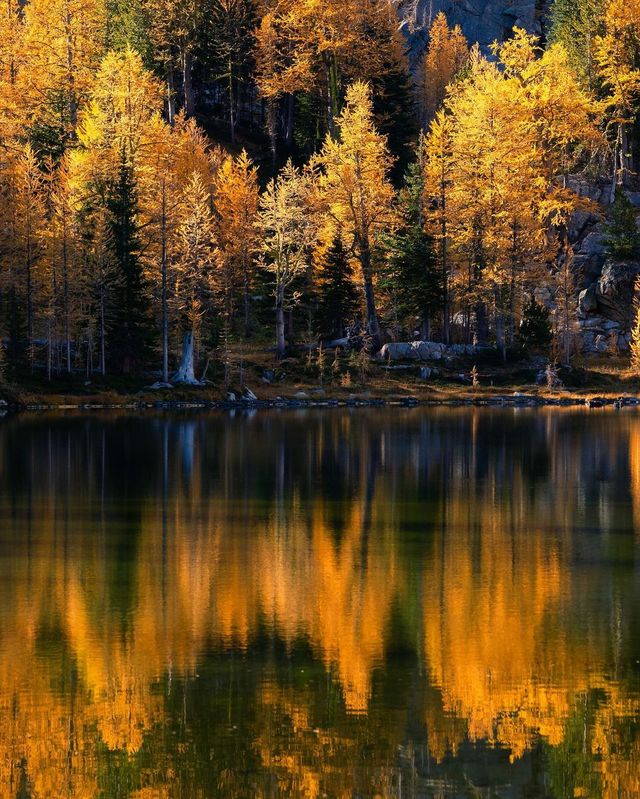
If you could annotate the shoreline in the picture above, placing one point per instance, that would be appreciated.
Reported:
(497, 400)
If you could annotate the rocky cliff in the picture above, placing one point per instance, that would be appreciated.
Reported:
(482, 21)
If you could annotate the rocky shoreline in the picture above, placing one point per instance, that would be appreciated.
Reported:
(516, 400)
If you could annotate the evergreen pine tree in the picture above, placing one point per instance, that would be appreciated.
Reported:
(535, 331)
(412, 275)
(130, 333)
(576, 24)
(621, 232)
(15, 325)
(394, 99)
(338, 296)
(127, 27)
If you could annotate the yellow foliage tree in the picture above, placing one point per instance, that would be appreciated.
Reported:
(508, 133)
(617, 55)
(288, 231)
(62, 46)
(446, 55)
(192, 267)
(236, 202)
(354, 191)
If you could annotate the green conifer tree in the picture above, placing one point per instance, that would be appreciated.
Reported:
(338, 296)
(534, 333)
(130, 332)
(412, 278)
(576, 24)
(621, 232)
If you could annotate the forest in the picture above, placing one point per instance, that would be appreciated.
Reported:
(182, 177)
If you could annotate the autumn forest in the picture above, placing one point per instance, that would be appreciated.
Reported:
(178, 177)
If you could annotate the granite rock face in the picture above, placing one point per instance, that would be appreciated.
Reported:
(606, 286)
(482, 21)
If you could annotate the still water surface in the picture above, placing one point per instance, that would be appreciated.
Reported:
(401, 603)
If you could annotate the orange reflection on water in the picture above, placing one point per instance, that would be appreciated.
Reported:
(458, 589)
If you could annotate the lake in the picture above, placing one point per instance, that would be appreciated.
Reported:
(344, 603)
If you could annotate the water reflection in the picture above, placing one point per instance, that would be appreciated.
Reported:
(401, 603)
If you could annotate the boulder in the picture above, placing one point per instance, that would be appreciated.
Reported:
(623, 344)
(428, 350)
(588, 300)
(610, 325)
(158, 385)
(398, 351)
(601, 344)
(579, 224)
(599, 191)
(592, 323)
(590, 255)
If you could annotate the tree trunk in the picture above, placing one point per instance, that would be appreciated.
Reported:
(373, 326)
(280, 341)
(616, 152)
(103, 360)
(426, 326)
(187, 84)
(332, 92)
(625, 155)
(232, 110)
(165, 308)
(330, 115)
(49, 350)
(246, 299)
(272, 128)
(482, 323)
(171, 94)
(65, 295)
(291, 101)
(71, 83)
(185, 373)
(443, 257)
(501, 339)
(29, 267)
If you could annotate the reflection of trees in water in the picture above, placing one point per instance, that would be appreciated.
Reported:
(460, 576)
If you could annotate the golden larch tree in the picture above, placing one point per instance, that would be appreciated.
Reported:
(288, 232)
(354, 190)
(446, 55)
(236, 202)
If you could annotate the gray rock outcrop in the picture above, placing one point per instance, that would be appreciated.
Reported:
(605, 285)
(482, 21)
(615, 291)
